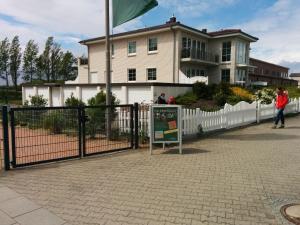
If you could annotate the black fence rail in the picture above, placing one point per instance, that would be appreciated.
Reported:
(1, 143)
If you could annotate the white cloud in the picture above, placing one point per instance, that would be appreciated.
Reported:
(196, 8)
(277, 27)
(68, 21)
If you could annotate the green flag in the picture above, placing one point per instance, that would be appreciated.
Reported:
(125, 10)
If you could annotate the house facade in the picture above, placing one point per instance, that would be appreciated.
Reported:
(167, 58)
(265, 73)
(295, 76)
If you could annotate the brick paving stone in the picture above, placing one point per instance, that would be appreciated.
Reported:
(241, 177)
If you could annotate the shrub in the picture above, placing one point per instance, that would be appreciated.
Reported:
(54, 121)
(222, 94)
(73, 101)
(266, 95)
(36, 101)
(243, 94)
(187, 99)
(204, 91)
(97, 115)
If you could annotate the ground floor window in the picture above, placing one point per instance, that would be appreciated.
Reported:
(131, 74)
(225, 77)
(151, 73)
(241, 76)
(192, 72)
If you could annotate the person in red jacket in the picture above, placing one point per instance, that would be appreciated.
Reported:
(171, 100)
(281, 101)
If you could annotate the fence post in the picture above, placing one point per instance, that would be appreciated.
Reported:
(5, 137)
(258, 108)
(136, 125)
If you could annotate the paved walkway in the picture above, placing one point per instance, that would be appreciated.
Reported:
(241, 177)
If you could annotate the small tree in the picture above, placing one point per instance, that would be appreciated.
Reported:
(72, 101)
(97, 115)
(30, 61)
(67, 69)
(4, 60)
(15, 60)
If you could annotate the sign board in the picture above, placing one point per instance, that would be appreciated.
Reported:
(165, 125)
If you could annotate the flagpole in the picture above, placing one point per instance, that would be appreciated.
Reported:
(108, 70)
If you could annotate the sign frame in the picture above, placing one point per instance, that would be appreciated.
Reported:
(179, 127)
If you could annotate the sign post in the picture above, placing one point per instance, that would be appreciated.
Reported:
(165, 125)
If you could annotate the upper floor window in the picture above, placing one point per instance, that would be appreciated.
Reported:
(241, 52)
(152, 44)
(226, 52)
(225, 78)
(151, 74)
(131, 74)
(131, 48)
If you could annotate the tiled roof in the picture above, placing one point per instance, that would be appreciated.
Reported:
(295, 75)
(172, 24)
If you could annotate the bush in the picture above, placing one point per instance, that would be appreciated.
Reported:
(204, 91)
(223, 91)
(242, 94)
(266, 95)
(73, 101)
(54, 121)
(187, 99)
(36, 101)
(97, 115)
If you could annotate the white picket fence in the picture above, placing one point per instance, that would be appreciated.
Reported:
(196, 120)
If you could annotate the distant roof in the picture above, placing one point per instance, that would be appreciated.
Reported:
(258, 60)
(173, 23)
(295, 75)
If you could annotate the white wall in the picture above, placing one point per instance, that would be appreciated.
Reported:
(87, 93)
(125, 94)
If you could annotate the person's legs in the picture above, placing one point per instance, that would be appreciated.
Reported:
(282, 118)
(278, 116)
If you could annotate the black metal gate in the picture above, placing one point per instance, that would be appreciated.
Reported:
(35, 135)
(42, 135)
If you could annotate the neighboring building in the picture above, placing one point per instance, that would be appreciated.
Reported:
(295, 76)
(166, 58)
(265, 73)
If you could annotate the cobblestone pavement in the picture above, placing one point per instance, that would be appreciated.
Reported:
(241, 177)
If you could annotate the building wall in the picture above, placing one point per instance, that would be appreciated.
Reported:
(121, 62)
(268, 69)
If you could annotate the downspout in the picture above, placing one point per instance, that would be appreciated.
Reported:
(174, 53)
(88, 78)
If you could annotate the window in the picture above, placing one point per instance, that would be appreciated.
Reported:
(226, 52)
(241, 52)
(241, 75)
(188, 72)
(151, 73)
(152, 44)
(226, 76)
(131, 74)
(198, 73)
(131, 48)
(193, 72)
(202, 73)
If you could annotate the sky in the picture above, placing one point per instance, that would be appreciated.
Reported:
(274, 22)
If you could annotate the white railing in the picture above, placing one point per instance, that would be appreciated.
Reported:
(196, 120)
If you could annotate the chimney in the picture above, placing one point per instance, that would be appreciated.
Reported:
(204, 30)
(172, 20)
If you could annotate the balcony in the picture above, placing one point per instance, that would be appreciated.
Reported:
(197, 56)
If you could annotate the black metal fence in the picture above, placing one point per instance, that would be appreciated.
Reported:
(1, 143)
(34, 135)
